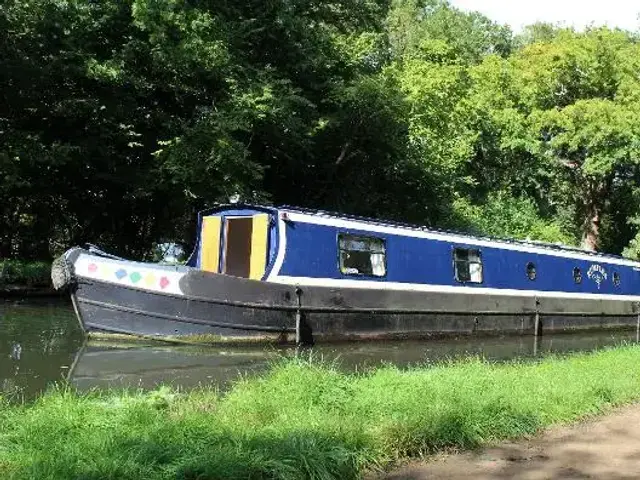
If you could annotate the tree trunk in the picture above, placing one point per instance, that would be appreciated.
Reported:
(591, 228)
(595, 195)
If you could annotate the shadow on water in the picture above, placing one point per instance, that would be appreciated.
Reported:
(41, 344)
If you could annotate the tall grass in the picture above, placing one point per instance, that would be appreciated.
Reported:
(306, 420)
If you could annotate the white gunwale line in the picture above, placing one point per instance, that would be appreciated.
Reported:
(417, 287)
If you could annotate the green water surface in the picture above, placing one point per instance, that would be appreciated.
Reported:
(41, 344)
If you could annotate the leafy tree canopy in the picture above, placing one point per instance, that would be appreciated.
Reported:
(119, 120)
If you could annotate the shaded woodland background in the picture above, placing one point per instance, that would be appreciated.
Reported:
(119, 120)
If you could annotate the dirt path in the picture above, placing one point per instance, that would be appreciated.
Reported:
(607, 448)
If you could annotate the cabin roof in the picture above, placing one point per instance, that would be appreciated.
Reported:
(414, 227)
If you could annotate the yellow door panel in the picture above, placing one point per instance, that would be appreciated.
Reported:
(259, 241)
(210, 244)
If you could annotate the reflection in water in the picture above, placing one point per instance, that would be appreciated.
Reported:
(41, 343)
(146, 366)
(103, 365)
(38, 342)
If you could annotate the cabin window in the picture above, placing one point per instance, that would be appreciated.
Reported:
(531, 271)
(616, 279)
(468, 265)
(577, 275)
(362, 255)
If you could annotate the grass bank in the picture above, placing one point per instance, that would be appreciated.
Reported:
(306, 420)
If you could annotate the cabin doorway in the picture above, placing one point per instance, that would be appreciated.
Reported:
(237, 253)
(245, 246)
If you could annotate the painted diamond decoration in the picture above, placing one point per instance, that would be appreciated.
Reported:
(164, 282)
(135, 277)
(92, 268)
(120, 274)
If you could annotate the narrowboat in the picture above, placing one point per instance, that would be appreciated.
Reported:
(291, 274)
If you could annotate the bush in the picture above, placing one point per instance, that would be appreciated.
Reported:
(512, 217)
(31, 274)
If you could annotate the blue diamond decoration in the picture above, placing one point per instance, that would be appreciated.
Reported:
(121, 274)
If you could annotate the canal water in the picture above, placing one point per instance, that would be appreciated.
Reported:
(41, 345)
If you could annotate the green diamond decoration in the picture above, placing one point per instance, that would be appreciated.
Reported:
(135, 277)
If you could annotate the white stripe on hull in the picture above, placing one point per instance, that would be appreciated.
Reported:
(416, 287)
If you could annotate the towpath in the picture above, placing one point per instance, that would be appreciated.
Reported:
(606, 447)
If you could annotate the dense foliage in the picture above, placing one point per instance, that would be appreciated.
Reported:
(119, 120)
(29, 274)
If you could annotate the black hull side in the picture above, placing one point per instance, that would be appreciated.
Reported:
(105, 307)
(401, 326)
(118, 309)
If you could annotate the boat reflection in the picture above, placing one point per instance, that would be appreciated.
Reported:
(108, 365)
(41, 345)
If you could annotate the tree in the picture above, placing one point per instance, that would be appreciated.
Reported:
(469, 37)
(595, 145)
(119, 120)
(573, 91)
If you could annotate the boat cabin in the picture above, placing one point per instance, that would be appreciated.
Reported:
(300, 246)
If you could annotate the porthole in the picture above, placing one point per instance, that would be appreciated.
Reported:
(616, 279)
(577, 275)
(531, 271)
